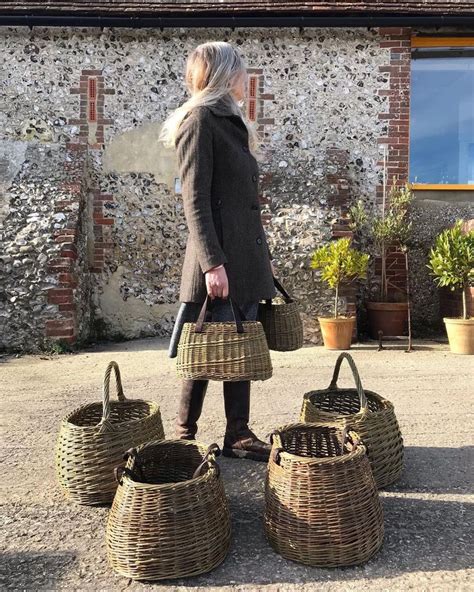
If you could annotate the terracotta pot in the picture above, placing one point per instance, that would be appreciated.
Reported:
(460, 335)
(337, 333)
(389, 317)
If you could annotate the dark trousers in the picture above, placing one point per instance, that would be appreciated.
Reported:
(236, 394)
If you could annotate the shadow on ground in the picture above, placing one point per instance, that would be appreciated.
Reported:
(437, 470)
(34, 571)
(421, 535)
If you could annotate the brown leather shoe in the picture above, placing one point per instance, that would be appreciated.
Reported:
(246, 445)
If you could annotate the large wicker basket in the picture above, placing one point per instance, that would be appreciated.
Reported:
(321, 503)
(229, 351)
(93, 438)
(170, 517)
(281, 322)
(369, 414)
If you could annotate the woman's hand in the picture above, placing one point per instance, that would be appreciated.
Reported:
(217, 283)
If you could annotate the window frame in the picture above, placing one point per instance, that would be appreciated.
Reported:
(439, 41)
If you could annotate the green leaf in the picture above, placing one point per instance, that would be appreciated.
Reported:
(339, 262)
(451, 260)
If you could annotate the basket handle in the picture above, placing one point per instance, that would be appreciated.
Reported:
(236, 312)
(355, 374)
(349, 436)
(288, 299)
(275, 455)
(106, 392)
(120, 471)
(282, 291)
(209, 459)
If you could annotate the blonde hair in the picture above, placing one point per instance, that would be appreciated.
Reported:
(211, 70)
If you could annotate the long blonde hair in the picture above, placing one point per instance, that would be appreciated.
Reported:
(211, 70)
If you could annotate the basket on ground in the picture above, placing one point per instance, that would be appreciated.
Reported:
(93, 438)
(170, 517)
(321, 503)
(281, 322)
(230, 351)
(369, 414)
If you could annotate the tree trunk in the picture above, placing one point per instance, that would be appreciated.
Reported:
(336, 302)
(464, 301)
(383, 276)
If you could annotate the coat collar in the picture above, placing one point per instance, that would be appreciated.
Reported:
(222, 108)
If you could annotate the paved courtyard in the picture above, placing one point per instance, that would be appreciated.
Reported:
(50, 544)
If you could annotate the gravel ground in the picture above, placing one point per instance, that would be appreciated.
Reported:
(50, 544)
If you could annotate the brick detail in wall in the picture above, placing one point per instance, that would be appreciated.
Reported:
(337, 181)
(256, 97)
(91, 120)
(63, 326)
(255, 106)
(396, 42)
(102, 223)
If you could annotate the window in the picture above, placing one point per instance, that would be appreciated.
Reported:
(442, 113)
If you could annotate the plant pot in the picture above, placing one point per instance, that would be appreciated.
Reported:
(460, 335)
(389, 317)
(337, 333)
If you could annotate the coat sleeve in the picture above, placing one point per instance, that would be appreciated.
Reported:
(195, 161)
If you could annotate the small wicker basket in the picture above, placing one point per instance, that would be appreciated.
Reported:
(93, 438)
(229, 351)
(321, 504)
(369, 414)
(281, 322)
(170, 517)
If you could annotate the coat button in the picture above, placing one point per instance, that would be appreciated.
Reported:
(255, 207)
(245, 148)
(219, 202)
(259, 241)
(254, 178)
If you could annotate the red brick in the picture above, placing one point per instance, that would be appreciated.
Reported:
(60, 324)
(59, 332)
(71, 307)
(103, 221)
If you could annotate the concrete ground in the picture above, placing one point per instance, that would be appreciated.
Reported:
(50, 544)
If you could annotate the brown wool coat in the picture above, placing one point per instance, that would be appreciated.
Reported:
(219, 179)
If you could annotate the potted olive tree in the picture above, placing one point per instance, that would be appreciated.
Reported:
(451, 261)
(389, 233)
(339, 263)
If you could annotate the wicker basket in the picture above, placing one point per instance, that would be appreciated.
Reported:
(281, 322)
(321, 504)
(170, 517)
(94, 437)
(228, 351)
(369, 414)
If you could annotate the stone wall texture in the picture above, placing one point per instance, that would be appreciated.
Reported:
(85, 106)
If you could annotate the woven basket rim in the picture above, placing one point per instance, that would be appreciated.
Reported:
(225, 324)
(153, 407)
(387, 405)
(209, 473)
(359, 449)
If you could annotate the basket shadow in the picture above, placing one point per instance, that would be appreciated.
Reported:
(34, 571)
(420, 535)
(437, 470)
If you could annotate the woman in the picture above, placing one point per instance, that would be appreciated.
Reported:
(226, 253)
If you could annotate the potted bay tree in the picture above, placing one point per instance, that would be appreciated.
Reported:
(339, 263)
(451, 261)
(388, 233)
